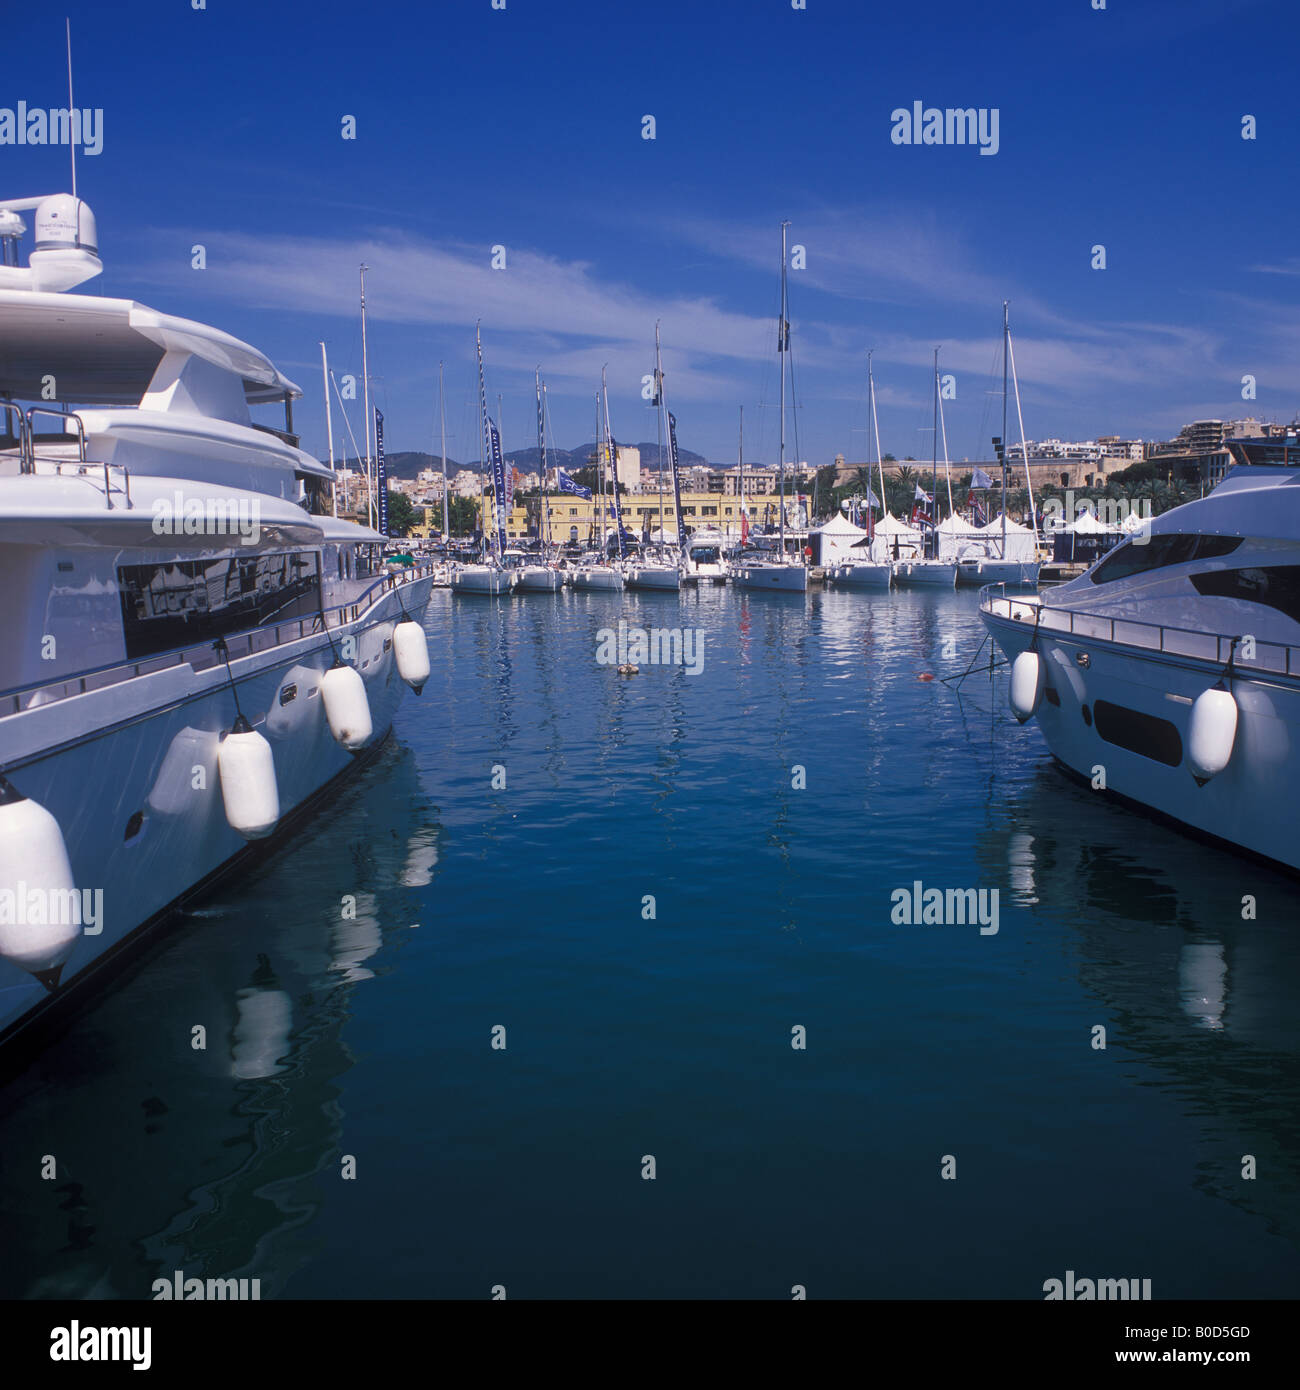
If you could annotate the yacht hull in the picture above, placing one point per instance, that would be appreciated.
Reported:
(978, 573)
(653, 577)
(598, 578)
(539, 579)
(1244, 806)
(789, 579)
(482, 579)
(925, 574)
(865, 576)
(120, 783)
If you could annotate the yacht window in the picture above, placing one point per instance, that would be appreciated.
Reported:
(186, 602)
(1159, 551)
(1275, 586)
(1139, 732)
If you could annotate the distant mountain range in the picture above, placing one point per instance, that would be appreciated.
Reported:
(407, 464)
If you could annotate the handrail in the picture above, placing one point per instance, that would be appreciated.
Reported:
(1125, 632)
(25, 464)
(246, 643)
(81, 466)
(64, 415)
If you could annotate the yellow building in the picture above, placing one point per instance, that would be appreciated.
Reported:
(574, 518)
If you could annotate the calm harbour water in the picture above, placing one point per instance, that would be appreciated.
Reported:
(522, 907)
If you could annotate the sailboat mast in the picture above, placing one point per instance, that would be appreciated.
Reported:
(600, 471)
(875, 430)
(1006, 339)
(933, 540)
(541, 458)
(1024, 447)
(446, 500)
(613, 464)
(365, 390)
(744, 511)
(659, 426)
(782, 348)
(329, 425)
(482, 437)
(943, 431)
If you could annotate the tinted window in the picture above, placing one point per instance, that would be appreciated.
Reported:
(1153, 738)
(1159, 551)
(1276, 586)
(187, 602)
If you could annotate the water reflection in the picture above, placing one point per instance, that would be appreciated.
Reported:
(191, 1107)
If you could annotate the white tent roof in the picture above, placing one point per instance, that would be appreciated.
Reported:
(889, 525)
(1132, 522)
(1085, 524)
(840, 525)
(956, 525)
(1013, 527)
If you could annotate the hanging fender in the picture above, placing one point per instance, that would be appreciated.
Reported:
(246, 767)
(1211, 733)
(34, 858)
(411, 650)
(347, 706)
(1028, 676)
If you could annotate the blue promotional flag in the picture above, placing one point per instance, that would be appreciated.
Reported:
(498, 486)
(566, 484)
(677, 482)
(381, 472)
(979, 478)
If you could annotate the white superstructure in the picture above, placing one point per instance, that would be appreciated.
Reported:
(193, 648)
(1173, 664)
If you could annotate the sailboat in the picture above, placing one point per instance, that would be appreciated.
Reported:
(779, 572)
(658, 572)
(490, 577)
(1002, 565)
(600, 574)
(869, 572)
(931, 572)
(546, 577)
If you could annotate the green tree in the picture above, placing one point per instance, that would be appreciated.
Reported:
(401, 515)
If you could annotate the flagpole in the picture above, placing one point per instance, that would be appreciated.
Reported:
(446, 500)
(1006, 338)
(934, 464)
(329, 424)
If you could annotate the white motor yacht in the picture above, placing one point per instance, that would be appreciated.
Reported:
(1171, 668)
(194, 649)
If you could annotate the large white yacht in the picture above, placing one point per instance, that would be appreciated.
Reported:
(194, 650)
(1171, 668)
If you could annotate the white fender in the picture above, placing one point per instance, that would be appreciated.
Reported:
(33, 858)
(411, 648)
(246, 766)
(1211, 732)
(347, 707)
(1028, 675)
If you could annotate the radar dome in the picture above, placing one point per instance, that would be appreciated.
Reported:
(64, 222)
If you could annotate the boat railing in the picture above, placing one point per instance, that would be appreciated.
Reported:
(201, 656)
(30, 461)
(1274, 657)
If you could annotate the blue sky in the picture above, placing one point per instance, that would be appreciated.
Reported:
(523, 127)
